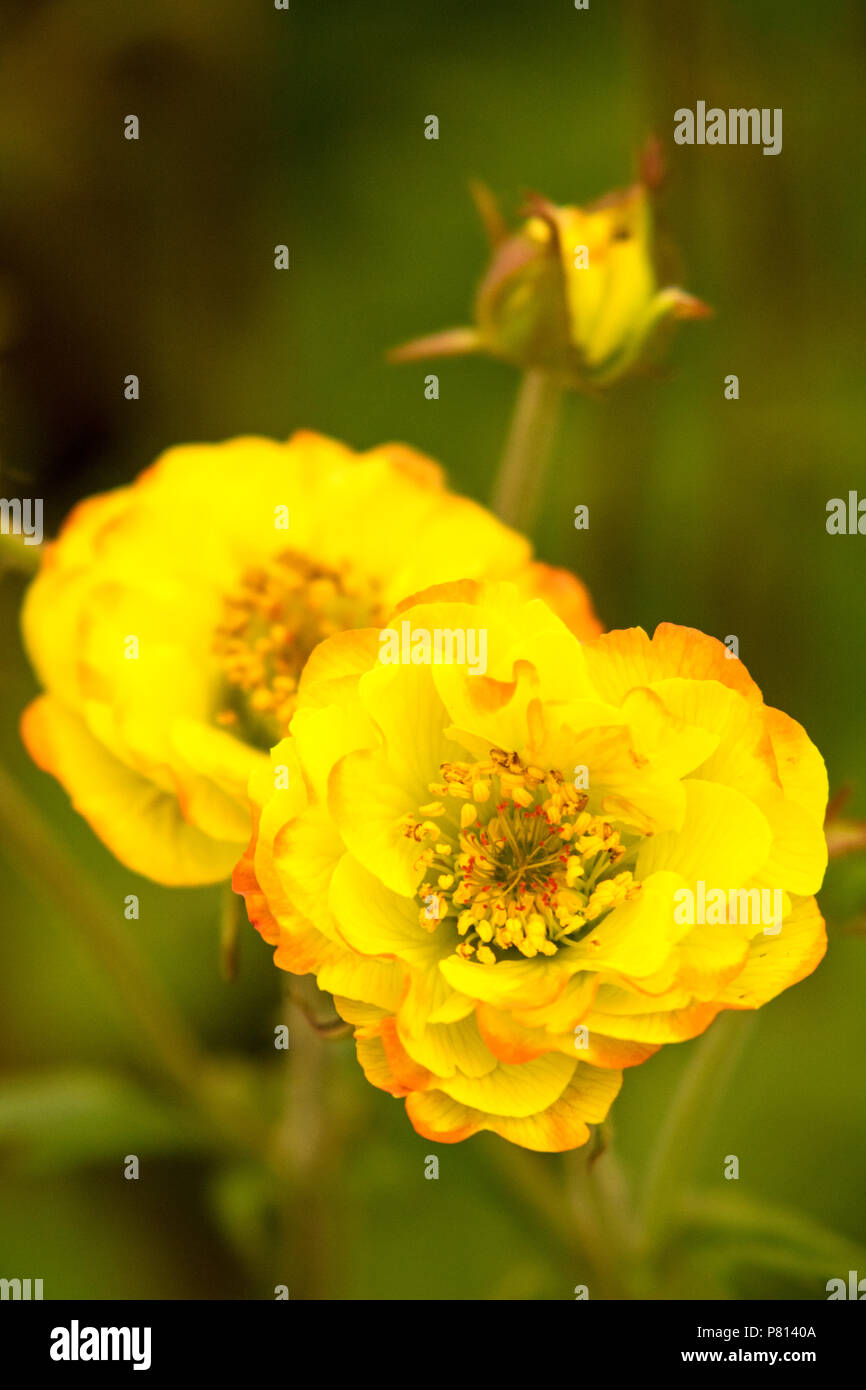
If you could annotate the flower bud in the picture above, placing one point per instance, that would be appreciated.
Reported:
(572, 292)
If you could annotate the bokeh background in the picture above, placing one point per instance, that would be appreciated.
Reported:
(305, 127)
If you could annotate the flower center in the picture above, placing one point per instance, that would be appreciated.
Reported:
(270, 624)
(520, 865)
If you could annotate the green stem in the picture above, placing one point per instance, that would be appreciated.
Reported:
(520, 480)
(300, 1149)
(568, 1210)
(681, 1137)
(33, 848)
(601, 1229)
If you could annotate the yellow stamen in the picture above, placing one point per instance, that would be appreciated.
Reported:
(530, 866)
(270, 623)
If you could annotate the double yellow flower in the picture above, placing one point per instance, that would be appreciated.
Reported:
(482, 860)
(484, 869)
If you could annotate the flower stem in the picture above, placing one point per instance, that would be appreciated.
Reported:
(520, 480)
(38, 852)
(565, 1198)
(680, 1139)
(300, 1148)
(600, 1230)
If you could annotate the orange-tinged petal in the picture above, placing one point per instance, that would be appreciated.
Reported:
(567, 1009)
(437, 1117)
(509, 1040)
(674, 1025)
(619, 661)
(404, 1068)
(565, 594)
(801, 767)
(564, 1125)
(445, 1048)
(377, 1068)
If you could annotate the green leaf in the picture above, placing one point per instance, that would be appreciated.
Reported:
(741, 1231)
(60, 1119)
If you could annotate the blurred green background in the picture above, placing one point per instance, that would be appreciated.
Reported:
(261, 127)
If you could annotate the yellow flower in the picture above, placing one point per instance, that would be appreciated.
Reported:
(489, 870)
(171, 620)
(572, 292)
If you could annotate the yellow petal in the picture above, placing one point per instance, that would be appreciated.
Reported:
(619, 661)
(585, 1101)
(513, 1090)
(776, 962)
(376, 922)
(143, 826)
(636, 938)
(724, 840)
(561, 1126)
(510, 984)
(448, 1048)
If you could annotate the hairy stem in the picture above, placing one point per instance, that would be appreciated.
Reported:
(520, 480)
(300, 1148)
